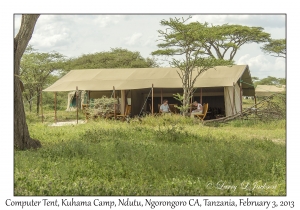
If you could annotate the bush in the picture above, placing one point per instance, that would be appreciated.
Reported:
(102, 106)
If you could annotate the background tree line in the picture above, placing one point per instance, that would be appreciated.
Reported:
(199, 45)
(269, 81)
(39, 70)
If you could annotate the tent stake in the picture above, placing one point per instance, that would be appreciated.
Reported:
(152, 101)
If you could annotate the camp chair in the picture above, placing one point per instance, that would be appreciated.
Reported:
(173, 109)
(158, 106)
(127, 112)
(203, 114)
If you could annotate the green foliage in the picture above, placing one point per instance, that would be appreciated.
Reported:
(254, 78)
(270, 81)
(167, 155)
(102, 106)
(275, 47)
(48, 102)
(116, 58)
(279, 102)
(227, 39)
(37, 71)
(180, 98)
(186, 41)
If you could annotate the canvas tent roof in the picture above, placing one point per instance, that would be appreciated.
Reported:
(267, 90)
(138, 78)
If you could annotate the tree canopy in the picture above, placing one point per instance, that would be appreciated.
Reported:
(270, 81)
(275, 47)
(36, 72)
(225, 40)
(116, 58)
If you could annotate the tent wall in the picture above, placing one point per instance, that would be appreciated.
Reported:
(71, 106)
(108, 94)
(232, 104)
(82, 99)
(137, 100)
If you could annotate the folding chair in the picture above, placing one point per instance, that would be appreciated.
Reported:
(127, 113)
(202, 115)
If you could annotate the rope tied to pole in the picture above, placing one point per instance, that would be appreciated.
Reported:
(112, 93)
(145, 101)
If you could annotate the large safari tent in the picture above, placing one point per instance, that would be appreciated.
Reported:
(221, 87)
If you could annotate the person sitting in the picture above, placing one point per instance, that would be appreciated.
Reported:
(198, 110)
(164, 108)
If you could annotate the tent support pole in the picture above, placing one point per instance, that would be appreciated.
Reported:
(77, 103)
(42, 106)
(123, 101)
(89, 98)
(201, 96)
(161, 97)
(241, 96)
(191, 104)
(114, 102)
(55, 118)
(255, 104)
(233, 98)
(152, 100)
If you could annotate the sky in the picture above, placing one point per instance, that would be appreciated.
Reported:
(74, 35)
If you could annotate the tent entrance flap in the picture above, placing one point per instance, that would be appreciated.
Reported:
(82, 99)
(232, 99)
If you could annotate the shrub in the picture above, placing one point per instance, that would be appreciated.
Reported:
(102, 106)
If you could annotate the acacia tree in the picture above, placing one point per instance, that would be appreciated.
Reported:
(22, 139)
(275, 47)
(35, 71)
(225, 40)
(116, 58)
(186, 41)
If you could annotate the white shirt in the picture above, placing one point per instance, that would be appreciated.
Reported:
(199, 108)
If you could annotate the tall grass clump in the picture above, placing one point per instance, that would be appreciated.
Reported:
(166, 155)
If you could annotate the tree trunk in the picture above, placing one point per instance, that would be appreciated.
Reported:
(30, 106)
(29, 103)
(22, 139)
(37, 101)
